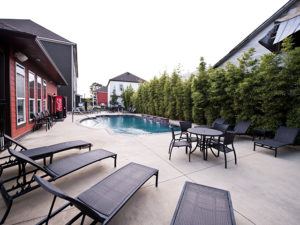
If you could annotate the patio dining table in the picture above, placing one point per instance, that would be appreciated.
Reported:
(206, 134)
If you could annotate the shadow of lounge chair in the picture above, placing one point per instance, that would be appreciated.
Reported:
(284, 136)
(102, 201)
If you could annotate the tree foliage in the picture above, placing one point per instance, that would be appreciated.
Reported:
(94, 87)
(264, 91)
(114, 99)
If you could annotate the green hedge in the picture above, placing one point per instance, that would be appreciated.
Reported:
(265, 91)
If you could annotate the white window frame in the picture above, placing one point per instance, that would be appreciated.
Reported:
(20, 98)
(121, 87)
(39, 100)
(44, 97)
(31, 99)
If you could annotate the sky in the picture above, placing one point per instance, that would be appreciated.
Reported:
(143, 37)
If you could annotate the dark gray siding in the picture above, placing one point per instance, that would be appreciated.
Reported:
(62, 56)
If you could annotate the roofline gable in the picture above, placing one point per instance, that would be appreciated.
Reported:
(266, 23)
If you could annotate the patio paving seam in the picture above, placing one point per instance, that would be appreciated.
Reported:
(167, 161)
(244, 216)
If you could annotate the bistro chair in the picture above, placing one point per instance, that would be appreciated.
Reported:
(226, 146)
(184, 126)
(178, 142)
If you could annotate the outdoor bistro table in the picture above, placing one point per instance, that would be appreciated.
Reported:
(206, 134)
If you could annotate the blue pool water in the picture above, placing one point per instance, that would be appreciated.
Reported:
(126, 124)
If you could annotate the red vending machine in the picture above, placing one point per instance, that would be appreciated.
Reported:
(60, 107)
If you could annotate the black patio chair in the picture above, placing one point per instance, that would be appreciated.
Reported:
(241, 128)
(284, 136)
(218, 121)
(224, 146)
(42, 152)
(102, 201)
(221, 127)
(22, 183)
(201, 205)
(184, 126)
(178, 142)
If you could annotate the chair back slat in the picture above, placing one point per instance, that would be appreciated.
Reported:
(242, 127)
(59, 193)
(218, 121)
(286, 134)
(228, 138)
(25, 159)
(185, 125)
(173, 133)
(221, 127)
(10, 139)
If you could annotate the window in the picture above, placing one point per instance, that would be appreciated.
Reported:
(121, 87)
(20, 93)
(31, 86)
(44, 95)
(39, 94)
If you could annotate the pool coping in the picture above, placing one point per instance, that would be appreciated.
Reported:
(112, 132)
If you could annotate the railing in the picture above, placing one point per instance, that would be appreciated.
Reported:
(78, 112)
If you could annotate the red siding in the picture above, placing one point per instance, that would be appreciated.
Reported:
(18, 130)
(102, 98)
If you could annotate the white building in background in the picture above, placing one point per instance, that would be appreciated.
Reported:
(120, 83)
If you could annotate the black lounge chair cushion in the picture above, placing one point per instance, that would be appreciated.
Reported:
(72, 163)
(40, 152)
(112, 192)
(203, 205)
(271, 143)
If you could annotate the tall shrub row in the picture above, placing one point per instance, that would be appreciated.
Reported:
(265, 91)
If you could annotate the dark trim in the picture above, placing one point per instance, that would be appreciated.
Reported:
(51, 61)
(275, 16)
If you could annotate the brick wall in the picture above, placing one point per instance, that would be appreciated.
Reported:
(51, 89)
(102, 98)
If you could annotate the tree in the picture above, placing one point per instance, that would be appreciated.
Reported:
(127, 97)
(199, 93)
(114, 99)
(94, 87)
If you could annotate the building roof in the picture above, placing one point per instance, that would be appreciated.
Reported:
(102, 89)
(34, 40)
(127, 77)
(30, 27)
(275, 16)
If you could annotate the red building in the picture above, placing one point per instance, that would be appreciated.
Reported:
(102, 96)
(29, 74)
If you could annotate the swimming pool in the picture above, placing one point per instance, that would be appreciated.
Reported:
(127, 124)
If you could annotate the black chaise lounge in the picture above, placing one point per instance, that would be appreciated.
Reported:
(42, 152)
(22, 183)
(102, 201)
(241, 128)
(202, 205)
(284, 136)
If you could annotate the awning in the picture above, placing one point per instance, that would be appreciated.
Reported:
(283, 27)
(286, 28)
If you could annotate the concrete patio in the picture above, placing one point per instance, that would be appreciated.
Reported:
(264, 189)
